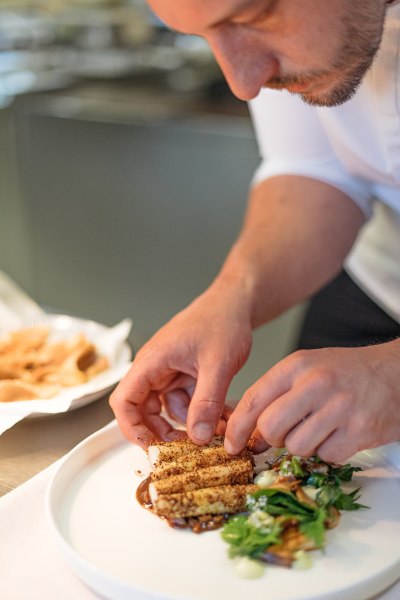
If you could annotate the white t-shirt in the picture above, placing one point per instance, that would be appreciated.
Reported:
(354, 147)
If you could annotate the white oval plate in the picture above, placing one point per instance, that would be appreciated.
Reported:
(110, 341)
(122, 551)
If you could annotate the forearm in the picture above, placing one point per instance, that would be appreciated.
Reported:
(296, 235)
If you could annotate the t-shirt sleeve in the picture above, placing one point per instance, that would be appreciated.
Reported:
(292, 141)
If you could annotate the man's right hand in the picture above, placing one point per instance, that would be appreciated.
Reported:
(187, 366)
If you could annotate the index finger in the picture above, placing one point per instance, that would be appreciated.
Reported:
(130, 393)
(244, 418)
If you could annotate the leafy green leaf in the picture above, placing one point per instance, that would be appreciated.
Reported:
(284, 503)
(328, 495)
(311, 519)
(344, 473)
(332, 495)
(296, 467)
(316, 459)
(271, 510)
(317, 479)
(245, 539)
(348, 501)
(334, 475)
(314, 528)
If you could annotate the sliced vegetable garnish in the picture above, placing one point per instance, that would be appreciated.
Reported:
(298, 500)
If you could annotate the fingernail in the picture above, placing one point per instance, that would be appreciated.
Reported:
(257, 446)
(228, 446)
(202, 432)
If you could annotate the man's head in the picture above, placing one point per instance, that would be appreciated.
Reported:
(320, 49)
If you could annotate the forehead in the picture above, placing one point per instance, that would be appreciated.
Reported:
(190, 16)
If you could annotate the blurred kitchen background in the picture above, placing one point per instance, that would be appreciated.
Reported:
(124, 166)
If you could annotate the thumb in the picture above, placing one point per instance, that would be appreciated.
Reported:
(207, 403)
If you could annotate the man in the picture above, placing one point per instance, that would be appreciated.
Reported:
(323, 77)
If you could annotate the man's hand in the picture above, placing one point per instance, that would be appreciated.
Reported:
(186, 368)
(296, 234)
(331, 402)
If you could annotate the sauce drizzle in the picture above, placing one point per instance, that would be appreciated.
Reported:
(196, 524)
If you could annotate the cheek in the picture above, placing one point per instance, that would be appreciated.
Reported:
(304, 59)
(309, 44)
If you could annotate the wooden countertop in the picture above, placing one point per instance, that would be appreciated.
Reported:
(33, 444)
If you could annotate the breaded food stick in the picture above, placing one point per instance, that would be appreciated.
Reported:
(235, 472)
(214, 500)
(204, 456)
(164, 452)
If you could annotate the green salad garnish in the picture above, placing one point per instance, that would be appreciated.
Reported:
(292, 513)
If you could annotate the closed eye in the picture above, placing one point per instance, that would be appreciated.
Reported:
(254, 15)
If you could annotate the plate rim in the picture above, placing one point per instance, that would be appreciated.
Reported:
(86, 570)
(83, 568)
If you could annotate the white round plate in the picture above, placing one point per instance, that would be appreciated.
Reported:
(109, 341)
(122, 551)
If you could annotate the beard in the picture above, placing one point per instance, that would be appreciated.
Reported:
(342, 91)
(360, 42)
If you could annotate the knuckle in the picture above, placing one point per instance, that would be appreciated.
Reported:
(322, 378)
(220, 370)
(298, 360)
(315, 373)
(209, 407)
(249, 401)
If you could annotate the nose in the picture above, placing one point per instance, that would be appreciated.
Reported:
(244, 58)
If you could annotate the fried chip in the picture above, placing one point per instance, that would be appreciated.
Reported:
(25, 340)
(12, 390)
(31, 367)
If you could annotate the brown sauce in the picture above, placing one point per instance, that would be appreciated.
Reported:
(143, 496)
(196, 524)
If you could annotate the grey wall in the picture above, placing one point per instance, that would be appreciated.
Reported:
(111, 219)
(14, 226)
(136, 217)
